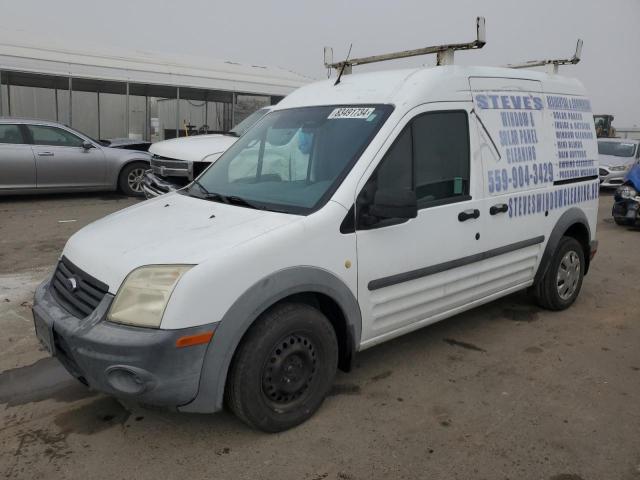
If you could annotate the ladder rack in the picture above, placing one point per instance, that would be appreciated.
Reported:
(444, 52)
(552, 64)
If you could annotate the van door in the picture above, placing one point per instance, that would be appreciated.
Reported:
(413, 272)
(518, 170)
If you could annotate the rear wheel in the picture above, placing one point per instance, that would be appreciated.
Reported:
(560, 285)
(130, 180)
(284, 368)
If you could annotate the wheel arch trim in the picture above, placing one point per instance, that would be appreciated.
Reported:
(248, 307)
(573, 216)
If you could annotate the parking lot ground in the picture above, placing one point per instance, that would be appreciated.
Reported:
(505, 391)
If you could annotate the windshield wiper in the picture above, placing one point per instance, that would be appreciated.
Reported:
(207, 195)
(228, 199)
(235, 200)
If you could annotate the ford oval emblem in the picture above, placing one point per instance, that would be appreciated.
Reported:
(72, 284)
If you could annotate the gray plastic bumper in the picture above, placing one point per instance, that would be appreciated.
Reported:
(142, 364)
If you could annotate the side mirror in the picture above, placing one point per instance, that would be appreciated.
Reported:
(87, 145)
(394, 203)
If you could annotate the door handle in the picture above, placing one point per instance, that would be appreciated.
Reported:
(467, 214)
(45, 154)
(499, 208)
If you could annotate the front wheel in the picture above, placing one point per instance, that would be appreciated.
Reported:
(284, 368)
(130, 180)
(561, 283)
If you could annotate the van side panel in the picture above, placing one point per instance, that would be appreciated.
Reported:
(539, 160)
(516, 159)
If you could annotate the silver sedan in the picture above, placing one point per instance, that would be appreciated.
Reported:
(44, 157)
(616, 156)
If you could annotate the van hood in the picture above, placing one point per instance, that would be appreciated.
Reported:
(193, 149)
(172, 229)
(613, 160)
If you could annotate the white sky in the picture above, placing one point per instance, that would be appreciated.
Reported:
(290, 34)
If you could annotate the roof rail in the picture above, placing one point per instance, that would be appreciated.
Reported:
(552, 64)
(444, 52)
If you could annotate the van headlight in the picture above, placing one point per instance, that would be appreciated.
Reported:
(618, 168)
(144, 294)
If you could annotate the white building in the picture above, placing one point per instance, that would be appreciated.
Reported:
(144, 96)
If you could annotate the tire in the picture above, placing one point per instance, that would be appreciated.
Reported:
(624, 222)
(283, 368)
(130, 179)
(561, 283)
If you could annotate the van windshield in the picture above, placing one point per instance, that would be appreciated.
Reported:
(292, 160)
(617, 149)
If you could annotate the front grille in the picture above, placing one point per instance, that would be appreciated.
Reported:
(78, 292)
(603, 172)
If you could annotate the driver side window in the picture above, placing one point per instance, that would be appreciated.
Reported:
(430, 157)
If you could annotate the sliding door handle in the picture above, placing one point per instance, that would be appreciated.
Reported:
(45, 154)
(499, 208)
(468, 214)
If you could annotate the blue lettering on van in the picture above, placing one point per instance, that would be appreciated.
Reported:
(539, 202)
(509, 102)
(501, 180)
(574, 132)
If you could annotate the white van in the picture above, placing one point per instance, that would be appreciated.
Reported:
(349, 215)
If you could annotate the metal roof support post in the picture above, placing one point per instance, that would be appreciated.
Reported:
(98, 98)
(8, 97)
(70, 102)
(177, 112)
(128, 114)
(233, 109)
(445, 57)
(147, 119)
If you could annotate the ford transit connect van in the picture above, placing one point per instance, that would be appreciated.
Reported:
(351, 214)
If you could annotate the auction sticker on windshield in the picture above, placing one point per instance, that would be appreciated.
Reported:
(351, 112)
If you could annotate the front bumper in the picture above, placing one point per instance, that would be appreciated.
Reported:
(611, 179)
(627, 209)
(141, 364)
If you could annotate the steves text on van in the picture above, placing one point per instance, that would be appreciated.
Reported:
(360, 209)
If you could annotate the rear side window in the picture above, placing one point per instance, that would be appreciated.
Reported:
(53, 136)
(441, 156)
(10, 134)
(430, 157)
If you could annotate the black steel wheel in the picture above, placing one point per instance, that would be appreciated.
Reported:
(289, 371)
(283, 368)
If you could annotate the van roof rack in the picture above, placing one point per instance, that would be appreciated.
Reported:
(444, 52)
(552, 64)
